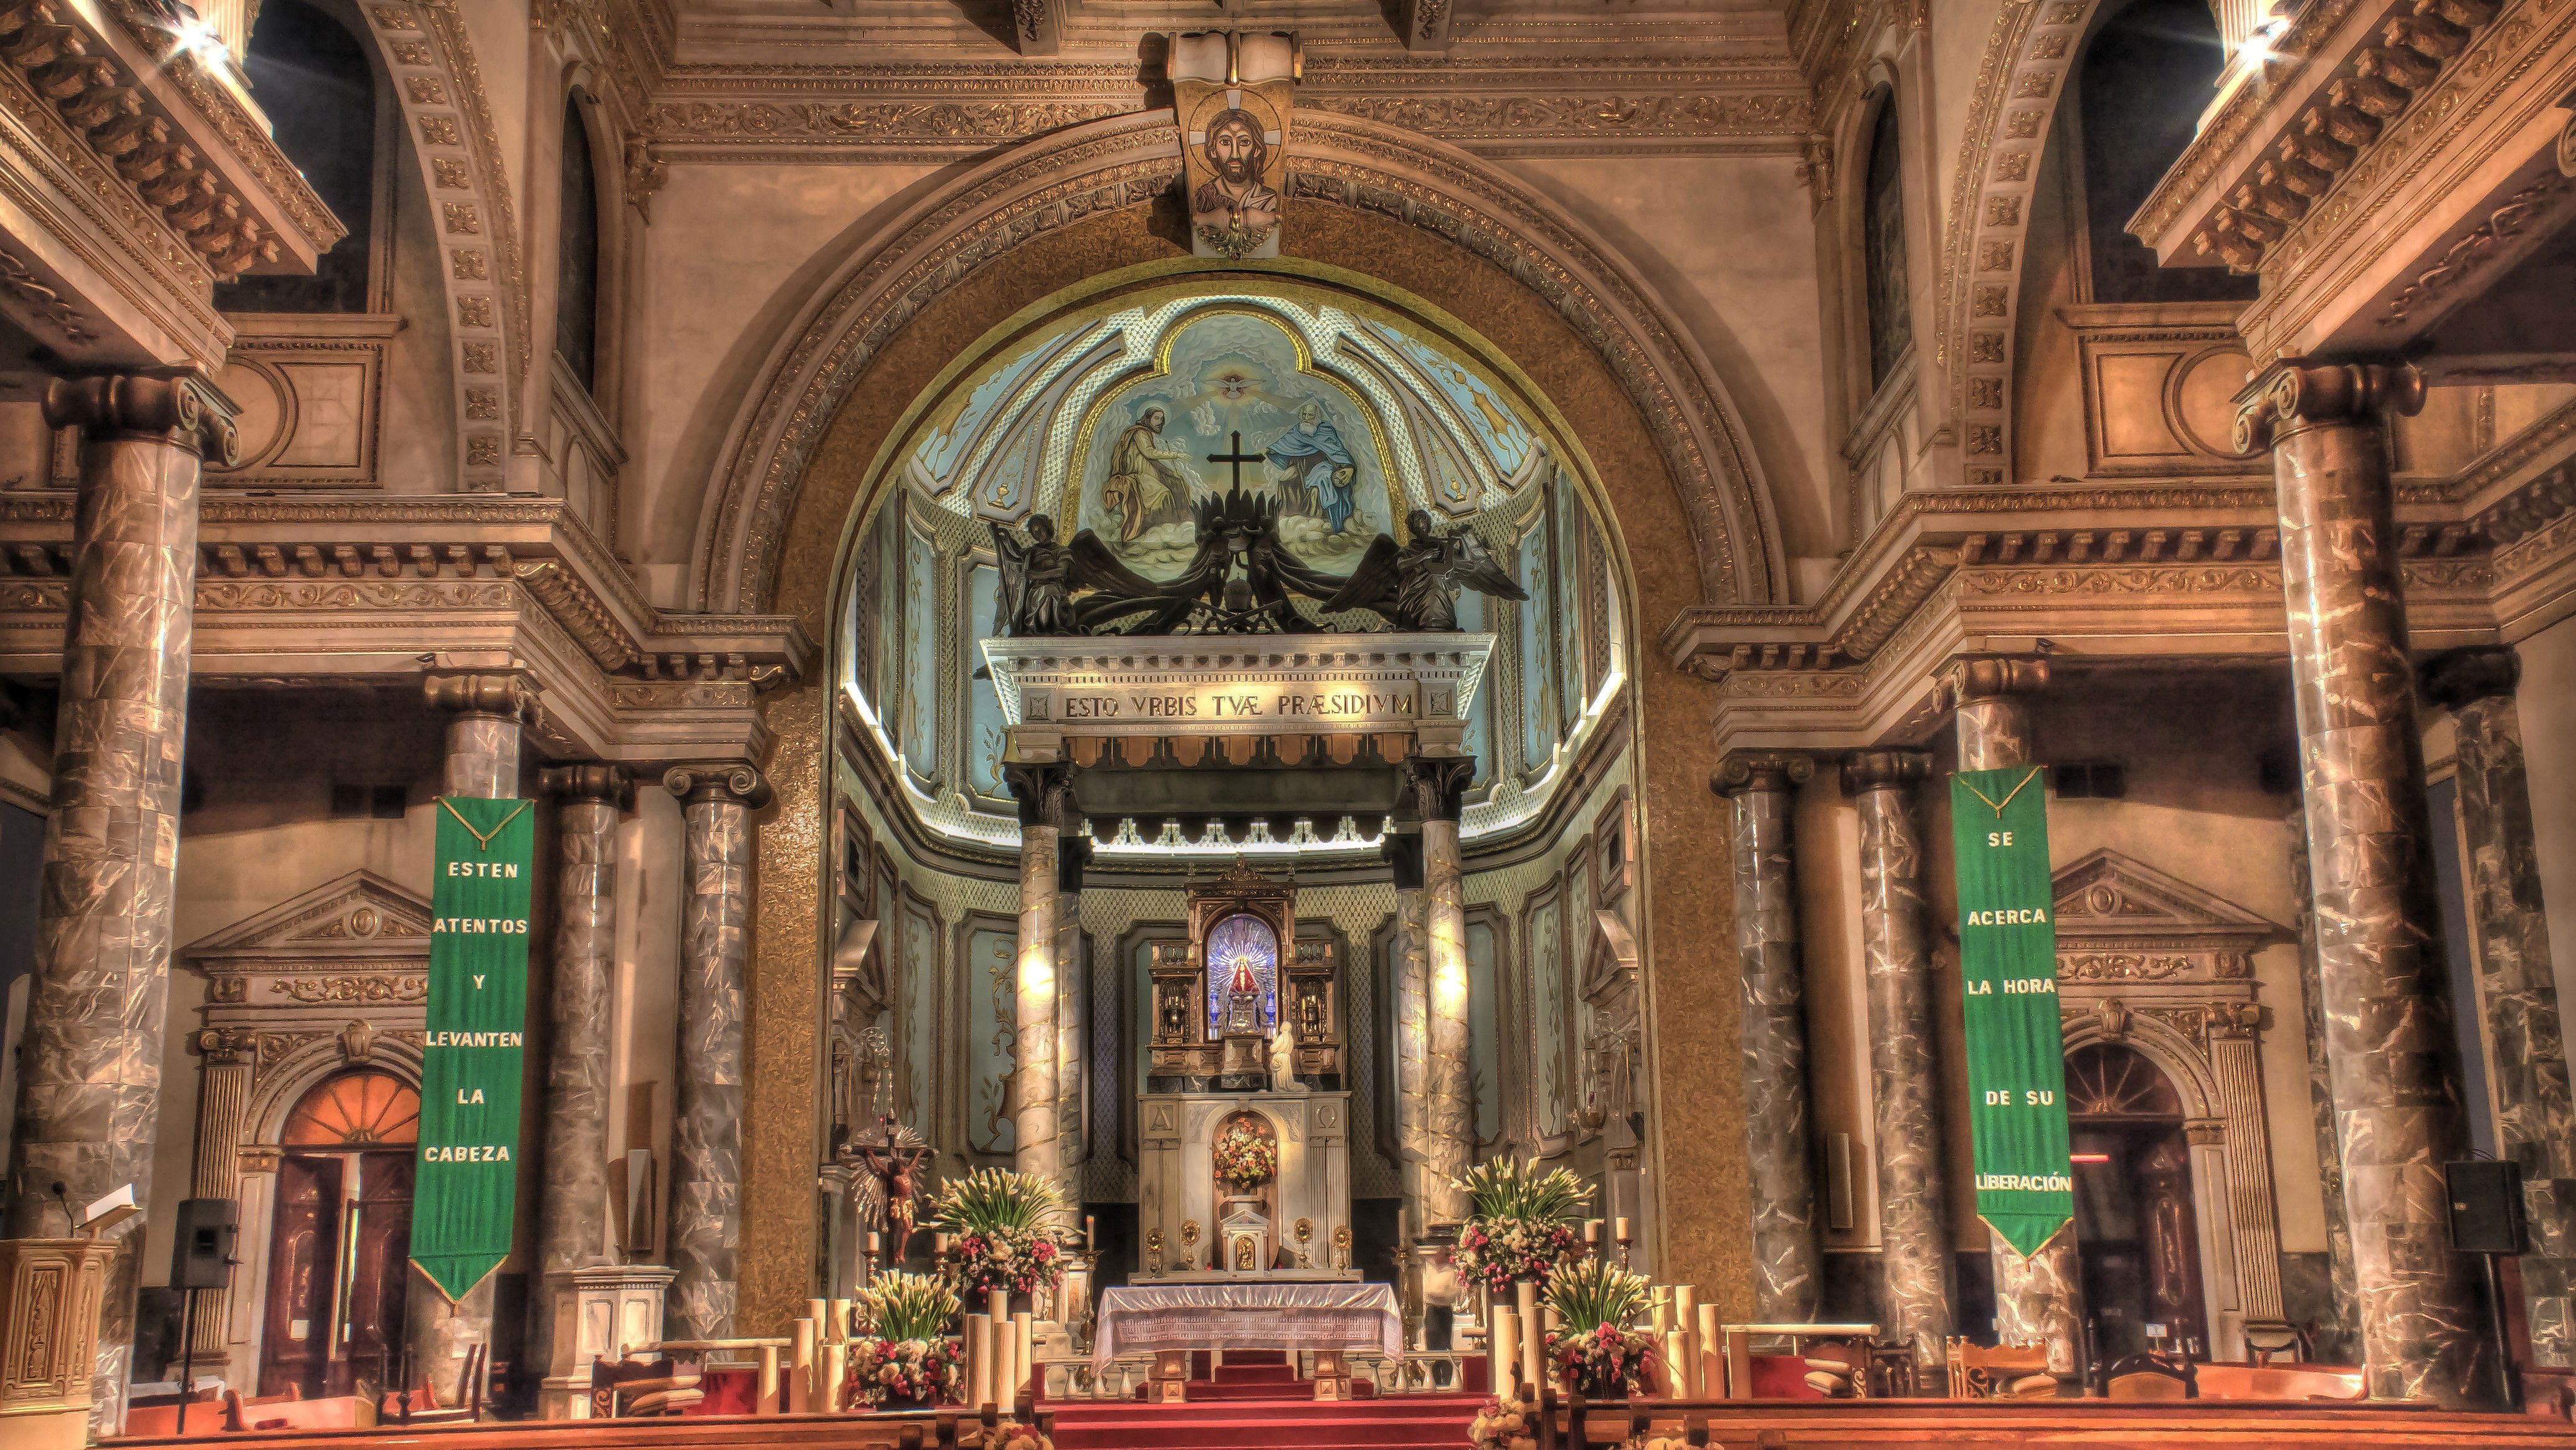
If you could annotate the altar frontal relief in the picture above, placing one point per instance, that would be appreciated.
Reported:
(2008, 975)
(466, 1189)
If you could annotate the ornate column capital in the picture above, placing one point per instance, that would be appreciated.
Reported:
(2294, 396)
(225, 1046)
(1772, 771)
(1884, 769)
(182, 410)
(588, 781)
(732, 782)
(508, 696)
(1044, 791)
(2465, 676)
(1435, 786)
(1987, 677)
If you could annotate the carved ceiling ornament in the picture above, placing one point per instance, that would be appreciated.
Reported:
(440, 90)
(2019, 81)
(1062, 178)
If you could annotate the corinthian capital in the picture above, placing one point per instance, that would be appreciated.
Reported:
(1436, 785)
(2295, 397)
(734, 782)
(184, 411)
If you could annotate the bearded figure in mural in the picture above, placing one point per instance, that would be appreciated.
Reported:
(1144, 486)
(1234, 210)
(1315, 470)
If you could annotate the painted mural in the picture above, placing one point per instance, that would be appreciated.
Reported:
(1233, 397)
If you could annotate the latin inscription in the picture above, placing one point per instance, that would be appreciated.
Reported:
(1229, 704)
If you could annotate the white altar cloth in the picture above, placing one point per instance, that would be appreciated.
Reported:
(1141, 1318)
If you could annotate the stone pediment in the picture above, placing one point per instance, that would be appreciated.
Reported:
(360, 918)
(2106, 900)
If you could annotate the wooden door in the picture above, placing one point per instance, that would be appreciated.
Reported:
(295, 1352)
(379, 1274)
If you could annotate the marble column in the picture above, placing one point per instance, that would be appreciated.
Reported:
(2338, 1339)
(89, 1084)
(572, 1206)
(486, 717)
(1045, 795)
(706, 1124)
(1761, 786)
(1915, 1267)
(1435, 785)
(2389, 1043)
(1073, 853)
(2517, 992)
(2039, 1297)
(1412, 988)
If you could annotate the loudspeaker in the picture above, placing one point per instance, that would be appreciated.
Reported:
(2486, 1207)
(201, 1250)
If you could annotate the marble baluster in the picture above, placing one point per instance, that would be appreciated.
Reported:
(2039, 1298)
(1915, 1267)
(2390, 1047)
(1761, 787)
(1436, 784)
(89, 1086)
(1412, 986)
(2338, 1340)
(487, 716)
(2517, 990)
(1045, 794)
(705, 1232)
(572, 1207)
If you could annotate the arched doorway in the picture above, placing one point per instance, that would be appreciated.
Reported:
(343, 1231)
(2134, 1219)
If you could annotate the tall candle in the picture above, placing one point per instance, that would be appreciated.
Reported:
(1592, 1230)
(1022, 1366)
(1676, 1352)
(1686, 1327)
(979, 1360)
(836, 1372)
(1086, 1232)
(1533, 1344)
(1505, 1357)
(1712, 1352)
(820, 1311)
(800, 1376)
(841, 1321)
(1623, 1231)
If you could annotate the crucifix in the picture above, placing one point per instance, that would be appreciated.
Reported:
(1238, 458)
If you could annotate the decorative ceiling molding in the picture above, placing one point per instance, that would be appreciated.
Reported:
(1126, 161)
(424, 46)
(2019, 81)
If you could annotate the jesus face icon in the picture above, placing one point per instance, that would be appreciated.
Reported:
(1235, 149)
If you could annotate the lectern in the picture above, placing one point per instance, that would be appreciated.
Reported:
(50, 1291)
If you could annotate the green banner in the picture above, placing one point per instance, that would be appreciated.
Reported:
(465, 1195)
(2008, 977)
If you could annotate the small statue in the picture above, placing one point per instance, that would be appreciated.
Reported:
(1310, 1014)
(1176, 1017)
(1036, 593)
(1416, 585)
(893, 1155)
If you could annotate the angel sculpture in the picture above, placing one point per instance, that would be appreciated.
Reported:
(892, 1155)
(1036, 594)
(1238, 582)
(1416, 585)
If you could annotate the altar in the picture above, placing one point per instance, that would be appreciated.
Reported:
(1326, 1315)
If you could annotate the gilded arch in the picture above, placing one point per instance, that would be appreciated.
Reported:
(1128, 161)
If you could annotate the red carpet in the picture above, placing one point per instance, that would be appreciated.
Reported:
(1255, 1400)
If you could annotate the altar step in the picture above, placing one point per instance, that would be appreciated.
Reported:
(1231, 1423)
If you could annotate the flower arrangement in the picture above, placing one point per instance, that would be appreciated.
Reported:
(1520, 1226)
(1592, 1348)
(1246, 1159)
(1004, 1236)
(1501, 1427)
(905, 1356)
